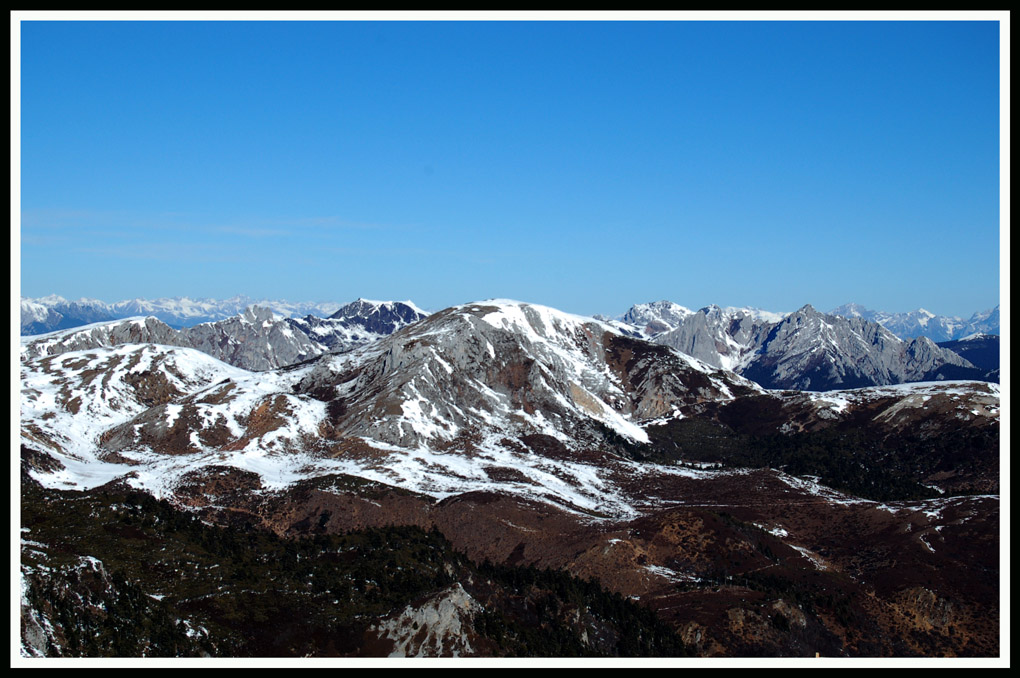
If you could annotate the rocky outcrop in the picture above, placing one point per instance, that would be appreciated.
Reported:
(442, 625)
(805, 350)
(721, 338)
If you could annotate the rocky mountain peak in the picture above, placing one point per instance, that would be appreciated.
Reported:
(851, 310)
(808, 310)
(656, 317)
(258, 314)
(378, 317)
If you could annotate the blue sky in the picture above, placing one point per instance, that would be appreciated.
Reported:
(582, 165)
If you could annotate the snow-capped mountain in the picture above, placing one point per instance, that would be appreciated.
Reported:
(51, 313)
(185, 312)
(521, 366)
(378, 317)
(982, 322)
(660, 317)
(438, 406)
(982, 350)
(359, 322)
(924, 323)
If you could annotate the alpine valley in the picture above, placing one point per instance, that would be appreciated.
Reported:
(503, 479)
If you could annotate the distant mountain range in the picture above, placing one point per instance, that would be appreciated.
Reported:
(922, 323)
(46, 314)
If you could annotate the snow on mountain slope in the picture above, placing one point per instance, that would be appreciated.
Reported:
(360, 322)
(521, 366)
(490, 396)
(108, 333)
(185, 312)
(69, 400)
(55, 313)
(966, 400)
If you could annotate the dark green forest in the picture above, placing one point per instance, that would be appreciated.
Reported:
(173, 585)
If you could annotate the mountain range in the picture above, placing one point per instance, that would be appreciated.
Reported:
(504, 479)
(805, 350)
(46, 314)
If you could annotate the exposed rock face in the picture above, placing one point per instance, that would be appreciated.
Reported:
(134, 331)
(487, 395)
(255, 340)
(721, 338)
(439, 626)
(41, 632)
(360, 322)
(981, 350)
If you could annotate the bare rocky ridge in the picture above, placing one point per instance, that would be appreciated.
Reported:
(657, 317)
(981, 350)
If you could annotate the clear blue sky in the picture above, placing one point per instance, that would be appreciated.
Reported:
(582, 165)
